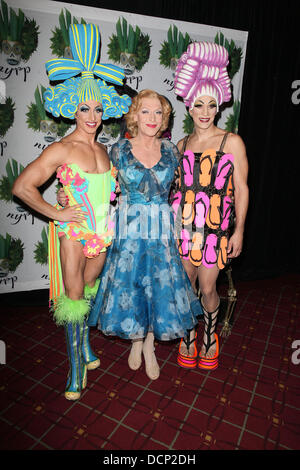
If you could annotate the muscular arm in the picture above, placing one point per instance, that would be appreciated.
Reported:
(241, 193)
(37, 173)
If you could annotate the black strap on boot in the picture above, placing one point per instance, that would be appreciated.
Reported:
(187, 340)
(209, 324)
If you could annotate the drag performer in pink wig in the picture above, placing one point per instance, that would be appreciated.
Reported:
(212, 198)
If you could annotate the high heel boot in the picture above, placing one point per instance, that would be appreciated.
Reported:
(188, 362)
(91, 360)
(77, 377)
(210, 320)
(72, 314)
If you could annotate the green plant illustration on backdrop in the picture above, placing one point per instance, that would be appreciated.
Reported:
(11, 254)
(38, 120)
(18, 35)
(7, 115)
(188, 124)
(13, 170)
(235, 54)
(129, 47)
(173, 48)
(232, 122)
(110, 130)
(41, 249)
(60, 41)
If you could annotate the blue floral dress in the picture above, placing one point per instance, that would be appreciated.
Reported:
(143, 284)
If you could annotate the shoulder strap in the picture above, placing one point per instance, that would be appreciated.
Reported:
(185, 143)
(223, 142)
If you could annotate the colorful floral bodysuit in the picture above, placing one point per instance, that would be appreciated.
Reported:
(94, 191)
(203, 206)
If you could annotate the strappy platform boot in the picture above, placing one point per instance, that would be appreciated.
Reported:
(188, 362)
(91, 360)
(210, 320)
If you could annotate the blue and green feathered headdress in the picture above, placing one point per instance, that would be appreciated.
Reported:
(63, 99)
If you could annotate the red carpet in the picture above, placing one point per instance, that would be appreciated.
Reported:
(250, 402)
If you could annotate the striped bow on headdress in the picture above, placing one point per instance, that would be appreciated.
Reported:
(63, 99)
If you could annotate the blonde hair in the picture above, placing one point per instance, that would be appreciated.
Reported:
(136, 104)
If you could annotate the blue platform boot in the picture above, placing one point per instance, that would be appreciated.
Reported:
(77, 377)
(72, 314)
(91, 360)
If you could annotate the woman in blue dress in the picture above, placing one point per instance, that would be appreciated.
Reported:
(144, 291)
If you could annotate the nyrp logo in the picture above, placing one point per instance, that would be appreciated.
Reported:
(39, 120)
(13, 170)
(19, 35)
(130, 48)
(17, 214)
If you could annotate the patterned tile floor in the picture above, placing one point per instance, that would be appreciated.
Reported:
(251, 402)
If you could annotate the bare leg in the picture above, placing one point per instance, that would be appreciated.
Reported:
(73, 264)
(93, 268)
(210, 300)
(135, 356)
(71, 310)
(78, 271)
(152, 367)
(191, 271)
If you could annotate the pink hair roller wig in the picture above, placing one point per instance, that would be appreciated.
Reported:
(201, 71)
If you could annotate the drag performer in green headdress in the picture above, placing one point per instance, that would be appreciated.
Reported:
(79, 233)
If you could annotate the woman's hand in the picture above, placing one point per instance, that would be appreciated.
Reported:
(69, 213)
(235, 244)
(72, 214)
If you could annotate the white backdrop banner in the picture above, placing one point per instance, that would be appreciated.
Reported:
(32, 32)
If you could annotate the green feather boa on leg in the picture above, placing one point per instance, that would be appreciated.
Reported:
(90, 292)
(70, 311)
